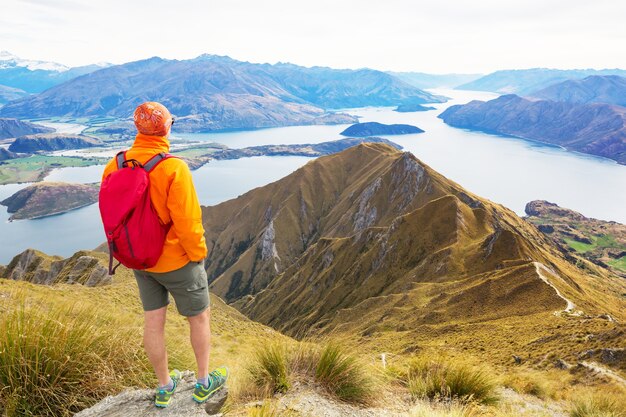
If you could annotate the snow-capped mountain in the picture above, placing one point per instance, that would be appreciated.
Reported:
(33, 76)
(8, 60)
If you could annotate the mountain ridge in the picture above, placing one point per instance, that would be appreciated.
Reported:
(321, 250)
(526, 81)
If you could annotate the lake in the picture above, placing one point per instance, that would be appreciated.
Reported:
(505, 170)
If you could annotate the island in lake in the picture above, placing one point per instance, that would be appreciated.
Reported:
(410, 108)
(49, 198)
(309, 149)
(375, 128)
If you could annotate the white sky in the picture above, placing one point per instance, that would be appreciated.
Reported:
(402, 35)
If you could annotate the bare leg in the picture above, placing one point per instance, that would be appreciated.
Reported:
(154, 343)
(200, 326)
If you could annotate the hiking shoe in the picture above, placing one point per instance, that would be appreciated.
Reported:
(217, 380)
(163, 397)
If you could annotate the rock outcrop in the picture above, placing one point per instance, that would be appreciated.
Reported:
(140, 403)
(52, 142)
(86, 268)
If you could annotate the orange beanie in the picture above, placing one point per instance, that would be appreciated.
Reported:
(152, 118)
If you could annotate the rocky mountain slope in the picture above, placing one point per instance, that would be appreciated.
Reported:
(527, 81)
(86, 268)
(210, 93)
(599, 241)
(9, 94)
(12, 128)
(597, 129)
(372, 239)
(609, 89)
(49, 198)
(375, 128)
(52, 142)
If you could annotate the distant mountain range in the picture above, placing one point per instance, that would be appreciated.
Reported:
(371, 240)
(35, 76)
(213, 92)
(424, 80)
(596, 128)
(609, 89)
(523, 82)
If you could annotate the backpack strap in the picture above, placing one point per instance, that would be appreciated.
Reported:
(155, 160)
(120, 158)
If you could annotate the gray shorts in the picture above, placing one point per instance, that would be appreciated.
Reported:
(188, 285)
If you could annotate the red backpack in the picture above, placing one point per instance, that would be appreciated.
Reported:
(134, 232)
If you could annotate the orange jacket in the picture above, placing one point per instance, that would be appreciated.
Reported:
(174, 198)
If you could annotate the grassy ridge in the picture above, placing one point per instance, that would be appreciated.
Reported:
(90, 338)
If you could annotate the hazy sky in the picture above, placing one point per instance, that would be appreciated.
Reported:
(431, 36)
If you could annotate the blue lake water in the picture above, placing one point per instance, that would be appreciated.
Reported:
(508, 171)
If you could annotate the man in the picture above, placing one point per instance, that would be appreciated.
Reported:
(180, 269)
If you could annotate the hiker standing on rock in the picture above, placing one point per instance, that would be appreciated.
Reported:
(153, 223)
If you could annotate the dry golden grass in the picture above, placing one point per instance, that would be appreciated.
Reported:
(100, 330)
(59, 359)
(547, 384)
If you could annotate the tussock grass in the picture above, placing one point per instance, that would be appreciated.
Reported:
(541, 384)
(274, 368)
(440, 379)
(342, 374)
(598, 405)
(269, 368)
(57, 360)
